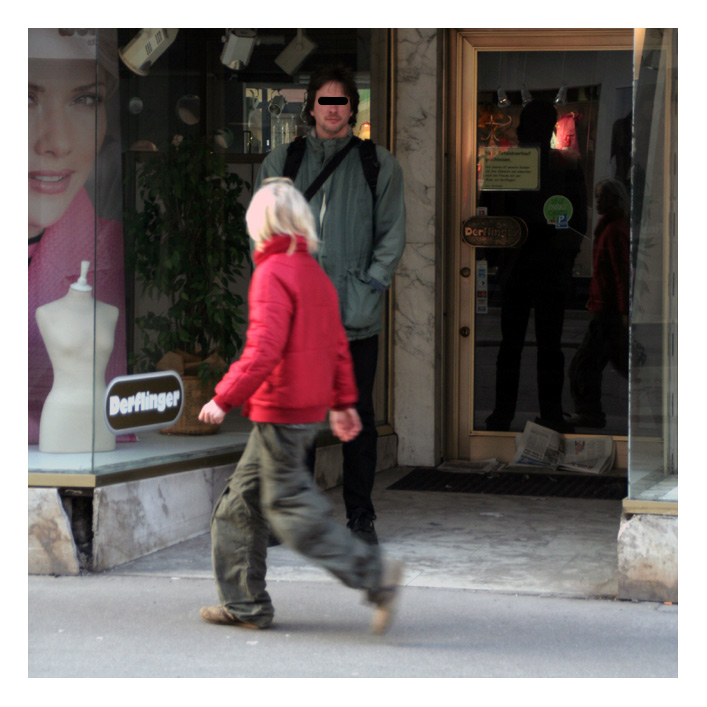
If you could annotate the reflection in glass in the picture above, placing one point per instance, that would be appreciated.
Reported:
(135, 105)
(189, 109)
(536, 276)
(653, 461)
(606, 339)
(544, 326)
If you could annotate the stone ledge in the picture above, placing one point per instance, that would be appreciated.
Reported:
(51, 546)
(648, 557)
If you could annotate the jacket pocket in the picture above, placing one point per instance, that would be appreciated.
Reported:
(362, 305)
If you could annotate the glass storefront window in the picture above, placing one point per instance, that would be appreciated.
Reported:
(76, 286)
(653, 461)
(237, 94)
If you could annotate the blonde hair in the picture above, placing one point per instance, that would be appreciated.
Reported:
(277, 208)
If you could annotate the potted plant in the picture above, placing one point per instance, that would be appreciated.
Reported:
(189, 248)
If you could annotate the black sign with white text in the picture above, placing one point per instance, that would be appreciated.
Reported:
(143, 402)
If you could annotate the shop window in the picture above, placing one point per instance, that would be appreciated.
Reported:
(76, 281)
(239, 94)
(653, 461)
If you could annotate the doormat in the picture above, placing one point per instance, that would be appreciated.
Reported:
(514, 483)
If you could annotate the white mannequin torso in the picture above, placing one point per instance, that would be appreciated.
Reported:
(72, 417)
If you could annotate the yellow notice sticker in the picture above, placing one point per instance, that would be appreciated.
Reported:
(514, 169)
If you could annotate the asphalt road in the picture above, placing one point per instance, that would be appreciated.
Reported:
(146, 626)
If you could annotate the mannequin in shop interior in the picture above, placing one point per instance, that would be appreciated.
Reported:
(72, 417)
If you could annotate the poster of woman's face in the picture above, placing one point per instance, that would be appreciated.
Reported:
(67, 125)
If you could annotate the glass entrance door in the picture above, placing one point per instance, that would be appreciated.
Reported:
(542, 268)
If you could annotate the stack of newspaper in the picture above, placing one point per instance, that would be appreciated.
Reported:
(540, 446)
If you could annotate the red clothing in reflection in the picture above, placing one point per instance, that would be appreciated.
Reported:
(608, 289)
(566, 133)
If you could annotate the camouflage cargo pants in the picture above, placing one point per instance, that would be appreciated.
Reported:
(271, 487)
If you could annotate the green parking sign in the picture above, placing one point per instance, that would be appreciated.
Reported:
(558, 211)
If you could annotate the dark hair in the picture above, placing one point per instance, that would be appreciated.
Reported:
(337, 74)
(537, 123)
(617, 193)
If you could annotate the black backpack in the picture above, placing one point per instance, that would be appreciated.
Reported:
(367, 153)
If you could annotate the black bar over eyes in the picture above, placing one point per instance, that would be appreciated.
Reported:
(336, 101)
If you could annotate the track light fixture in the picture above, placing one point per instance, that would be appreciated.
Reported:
(277, 104)
(503, 100)
(561, 97)
(143, 50)
(238, 47)
(292, 56)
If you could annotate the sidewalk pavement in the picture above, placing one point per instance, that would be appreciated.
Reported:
(495, 586)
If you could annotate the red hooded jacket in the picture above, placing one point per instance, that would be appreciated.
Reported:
(296, 363)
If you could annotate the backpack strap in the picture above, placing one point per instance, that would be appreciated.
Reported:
(367, 153)
(295, 155)
(333, 163)
(370, 164)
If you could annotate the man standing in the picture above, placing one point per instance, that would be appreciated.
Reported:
(362, 240)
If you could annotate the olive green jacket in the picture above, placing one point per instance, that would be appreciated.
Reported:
(360, 242)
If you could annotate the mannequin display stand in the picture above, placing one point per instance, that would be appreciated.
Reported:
(72, 417)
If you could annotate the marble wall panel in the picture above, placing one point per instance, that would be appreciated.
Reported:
(51, 546)
(135, 518)
(414, 341)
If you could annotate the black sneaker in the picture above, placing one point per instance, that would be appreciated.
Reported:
(595, 421)
(498, 422)
(361, 525)
(563, 425)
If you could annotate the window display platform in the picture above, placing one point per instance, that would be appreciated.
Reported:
(151, 454)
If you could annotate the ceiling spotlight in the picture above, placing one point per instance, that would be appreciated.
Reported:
(503, 101)
(277, 105)
(561, 97)
(238, 47)
(292, 56)
(526, 95)
(143, 50)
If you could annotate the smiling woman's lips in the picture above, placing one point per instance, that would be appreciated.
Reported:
(50, 181)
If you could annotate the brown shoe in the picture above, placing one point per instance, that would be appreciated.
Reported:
(386, 596)
(219, 615)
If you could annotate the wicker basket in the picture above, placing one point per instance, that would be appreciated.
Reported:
(195, 397)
